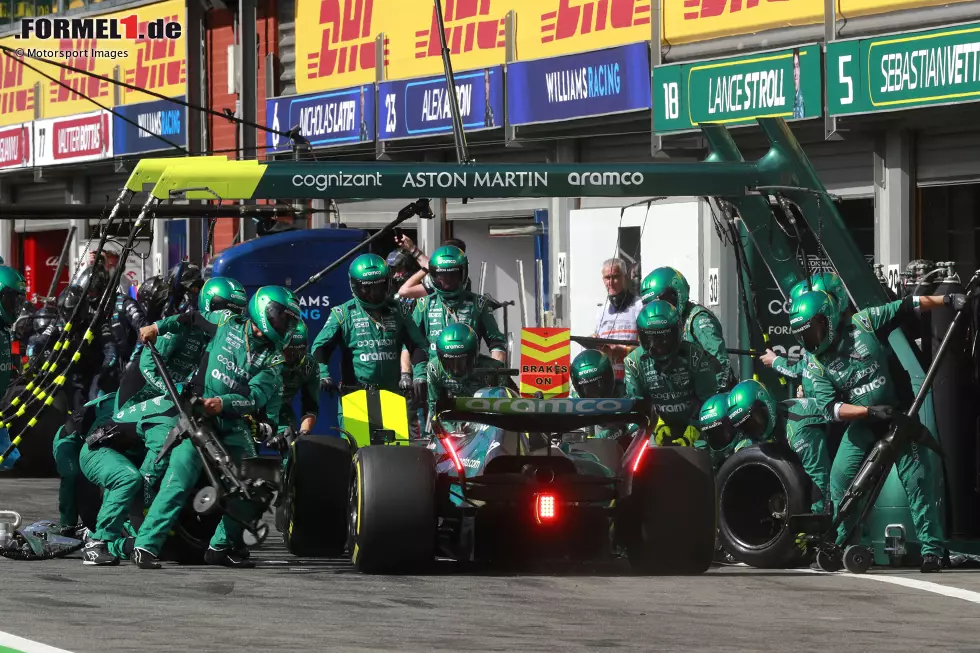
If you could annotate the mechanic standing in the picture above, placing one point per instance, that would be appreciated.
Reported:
(452, 303)
(459, 369)
(114, 457)
(127, 320)
(238, 380)
(675, 376)
(370, 331)
(96, 366)
(701, 326)
(756, 417)
(847, 374)
(616, 319)
(13, 292)
(828, 282)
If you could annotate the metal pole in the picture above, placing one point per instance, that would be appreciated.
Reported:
(483, 277)
(540, 291)
(62, 261)
(520, 292)
(462, 155)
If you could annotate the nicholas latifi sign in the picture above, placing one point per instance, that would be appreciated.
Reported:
(149, 127)
(341, 117)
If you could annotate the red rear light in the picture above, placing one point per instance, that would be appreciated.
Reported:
(447, 442)
(639, 454)
(545, 508)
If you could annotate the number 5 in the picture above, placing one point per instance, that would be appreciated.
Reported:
(846, 79)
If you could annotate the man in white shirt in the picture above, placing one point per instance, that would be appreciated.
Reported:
(617, 316)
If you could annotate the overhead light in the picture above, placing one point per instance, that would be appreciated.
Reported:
(506, 230)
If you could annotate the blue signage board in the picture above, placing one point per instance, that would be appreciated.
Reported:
(597, 83)
(325, 119)
(160, 117)
(411, 108)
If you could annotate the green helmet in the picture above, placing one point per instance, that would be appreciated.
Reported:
(659, 325)
(369, 280)
(752, 410)
(828, 282)
(813, 320)
(592, 375)
(667, 284)
(448, 268)
(222, 294)
(716, 430)
(13, 292)
(457, 347)
(295, 349)
(274, 313)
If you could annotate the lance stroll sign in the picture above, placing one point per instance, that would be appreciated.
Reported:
(782, 84)
(904, 71)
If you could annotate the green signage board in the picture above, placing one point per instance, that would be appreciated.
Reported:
(782, 84)
(904, 71)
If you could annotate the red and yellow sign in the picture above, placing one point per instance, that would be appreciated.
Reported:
(854, 8)
(335, 39)
(685, 21)
(157, 65)
(545, 360)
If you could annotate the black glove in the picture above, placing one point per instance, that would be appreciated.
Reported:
(420, 391)
(880, 413)
(327, 385)
(405, 382)
(108, 378)
(957, 300)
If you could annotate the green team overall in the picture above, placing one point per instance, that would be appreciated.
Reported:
(451, 303)
(593, 377)
(847, 375)
(301, 374)
(13, 291)
(451, 373)
(676, 376)
(756, 417)
(828, 282)
(238, 380)
(121, 467)
(370, 331)
(701, 327)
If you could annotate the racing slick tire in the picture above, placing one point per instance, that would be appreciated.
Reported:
(667, 521)
(392, 523)
(313, 519)
(754, 485)
(609, 452)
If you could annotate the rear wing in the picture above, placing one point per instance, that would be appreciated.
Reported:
(547, 415)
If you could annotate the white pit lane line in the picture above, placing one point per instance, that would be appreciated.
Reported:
(935, 588)
(21, 645)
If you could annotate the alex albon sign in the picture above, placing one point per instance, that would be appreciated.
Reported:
(904, 71)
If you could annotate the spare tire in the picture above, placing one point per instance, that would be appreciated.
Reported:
(667, 521)
(313, 515)
(759, 489)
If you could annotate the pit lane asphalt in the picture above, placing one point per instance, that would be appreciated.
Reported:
(291, 604)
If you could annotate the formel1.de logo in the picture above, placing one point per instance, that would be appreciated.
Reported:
(127, 28)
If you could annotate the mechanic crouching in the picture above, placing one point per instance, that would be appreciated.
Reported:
(459, 370)
(675, 376)
(237, 379)
(847, 375)
(593, 377)
(300, 374)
